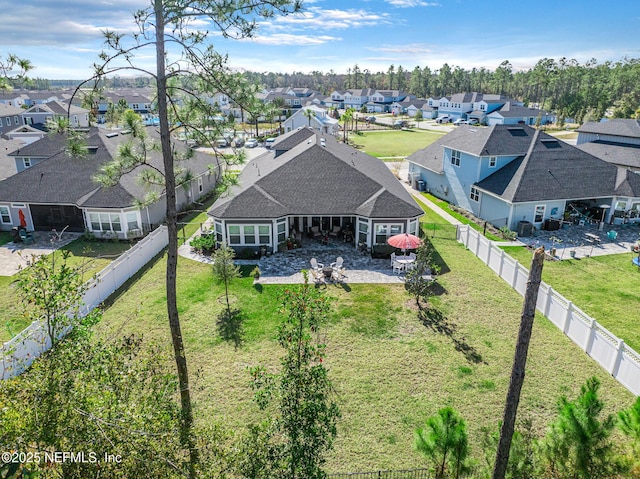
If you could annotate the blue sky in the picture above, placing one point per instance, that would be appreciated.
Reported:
(63, 37)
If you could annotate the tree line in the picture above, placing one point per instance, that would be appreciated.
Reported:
(583, 91)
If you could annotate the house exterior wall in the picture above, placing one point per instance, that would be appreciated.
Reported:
(9, 122)
(494, 210)
(13, 219)
(590, 137)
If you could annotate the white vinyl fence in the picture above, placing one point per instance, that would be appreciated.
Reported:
(622, 362)
(23, 349)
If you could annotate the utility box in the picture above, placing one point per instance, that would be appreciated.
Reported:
(525, 229)
(421, 185)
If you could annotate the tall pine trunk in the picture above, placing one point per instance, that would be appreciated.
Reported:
(186, 424)
(519, 364)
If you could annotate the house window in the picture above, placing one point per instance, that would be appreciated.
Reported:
(16, 120)
(475, 194)
(455, 157)
(539, 214)
(75, 119)
(132, 221)
(26, 162)
(200, 187)
(282, 231)
(134, 106)
(249, 234)
(5, 217)
(218, 229)
(492, 162)
(413, 227)
(384, 231)
(8, 121)
(105, 221)
(363, 231)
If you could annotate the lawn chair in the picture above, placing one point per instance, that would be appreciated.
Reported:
(315, 231)
(315, 265)
(393, 258)
(338, 269)
(317, 275)
(335, 231)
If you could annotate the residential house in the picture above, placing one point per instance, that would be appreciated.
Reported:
(26, 134)
(469, 105)
(13, 98)
(40, 113)
(61, 192)
(7, 162)
(507, 174)
(319, 120)
(10, 118)
(514, 113)
(140, 100)
(313, 184)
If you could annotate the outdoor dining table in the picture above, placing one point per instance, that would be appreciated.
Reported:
(404, 261)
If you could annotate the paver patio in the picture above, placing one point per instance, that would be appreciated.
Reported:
(14, 256)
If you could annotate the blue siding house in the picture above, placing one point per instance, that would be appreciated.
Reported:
(506, 174)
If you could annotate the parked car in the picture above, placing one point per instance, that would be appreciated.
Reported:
(473, 121)
(238, 142)
(460, 121)
(443, 119)
(269, 142)
(222, 143)
(400, 124)
(251, 143)
(370, 119)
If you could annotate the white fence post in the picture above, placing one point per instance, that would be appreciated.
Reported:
(615, 364)
(502, 254)
(547, 306)
(567, 318)
(514, 279)
(592, 335)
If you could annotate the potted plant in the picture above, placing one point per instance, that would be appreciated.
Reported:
(289, 243)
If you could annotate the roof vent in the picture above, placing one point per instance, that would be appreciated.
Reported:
(112, 135)
(550, 143)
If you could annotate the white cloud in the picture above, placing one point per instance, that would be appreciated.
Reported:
(412, 3)
(291, 39)
(328, 19)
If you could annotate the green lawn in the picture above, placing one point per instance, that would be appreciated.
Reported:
(604, 287)
(390, 143)
(93, 255)
(391, 369)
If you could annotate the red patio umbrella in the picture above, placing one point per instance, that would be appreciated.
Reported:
(404, 241)
(23, 220)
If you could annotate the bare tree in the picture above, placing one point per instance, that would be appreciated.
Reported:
(519, 364)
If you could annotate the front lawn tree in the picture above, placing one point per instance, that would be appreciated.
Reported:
(176, 33)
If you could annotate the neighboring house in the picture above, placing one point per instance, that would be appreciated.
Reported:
(469, 105)
(7, 162)
(615, 141)
(320, 120)
(13, 98)
(313, 181)
(140, 100)
(513, 114)
(26, 133)
(38, 114)
(60, 191)
(428, 112)
(375, 101)
(10, 118)
(507, 174)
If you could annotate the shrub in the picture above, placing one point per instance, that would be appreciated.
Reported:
(204, 244)
(507, 234)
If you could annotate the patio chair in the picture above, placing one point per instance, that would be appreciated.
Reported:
(412, 256)
(338, 263)
(27, 238)
(317, 275)
(315, 231)
(393, 258)
(612, 235)
(397, 267)
(315, 265)
(335, 231)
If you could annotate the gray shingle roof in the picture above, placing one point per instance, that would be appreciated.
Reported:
(317, 177)
(496, 140)
(63, 179)
(616, 153)
(616, 126)
(552, 169)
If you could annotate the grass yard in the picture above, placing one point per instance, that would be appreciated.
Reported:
(94, 255)
(390, 368)
(604, 287)
(393, 143)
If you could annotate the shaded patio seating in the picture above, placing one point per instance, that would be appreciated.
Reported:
(612, 235)
(315, 231)
(393, 258)
(335, 231)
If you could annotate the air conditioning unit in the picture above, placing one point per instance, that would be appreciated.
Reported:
(446, 190)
